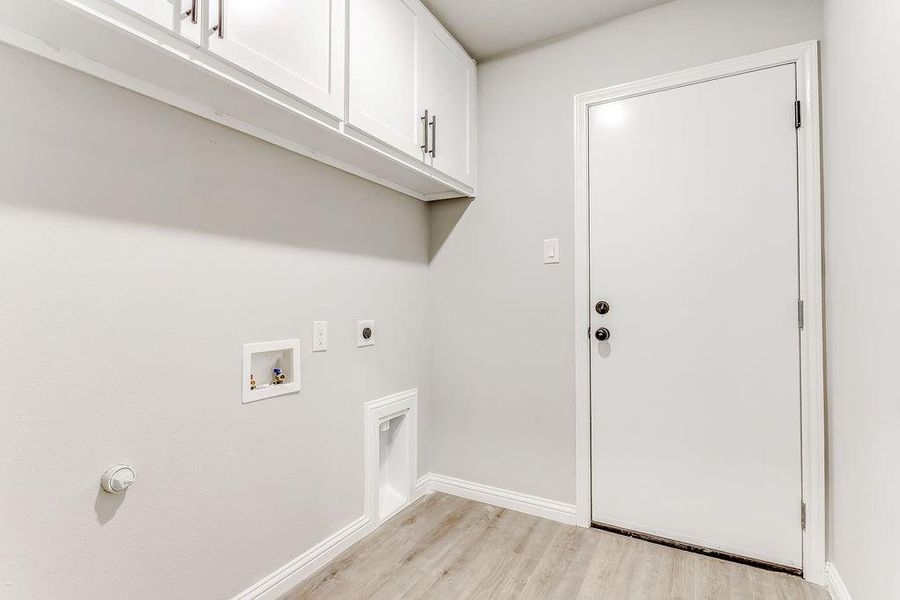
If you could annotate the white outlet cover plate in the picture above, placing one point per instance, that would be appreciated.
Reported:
(320, 336)
(360, 340)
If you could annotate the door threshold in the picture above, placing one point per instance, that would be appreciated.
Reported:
(663, 541)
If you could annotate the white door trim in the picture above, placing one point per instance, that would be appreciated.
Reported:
(805, 57)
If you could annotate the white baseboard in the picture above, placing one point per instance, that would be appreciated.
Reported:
(291, 574)
(423, 487)
(532, 505)
(835, 584)
(282, 580)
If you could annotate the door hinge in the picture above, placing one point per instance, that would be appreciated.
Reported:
(797, 120)
(800, 315)
(803, 516)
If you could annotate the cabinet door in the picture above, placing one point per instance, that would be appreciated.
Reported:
(449, 91)
(384, 72)
(173, 15)
(294, 45)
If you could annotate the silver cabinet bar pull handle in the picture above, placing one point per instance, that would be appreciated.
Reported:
(424, 120)
(192, 12)
(219, 28)
(433, 136)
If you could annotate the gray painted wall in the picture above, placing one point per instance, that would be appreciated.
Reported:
(503, 323)
(140, 246)
(861, 59)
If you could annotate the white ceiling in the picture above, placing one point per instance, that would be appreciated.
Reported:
(490, 27)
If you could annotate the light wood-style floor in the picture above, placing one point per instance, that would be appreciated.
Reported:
(447, 548)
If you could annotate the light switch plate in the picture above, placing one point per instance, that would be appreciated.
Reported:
(320, 336)
(361, 339)
(551, 251)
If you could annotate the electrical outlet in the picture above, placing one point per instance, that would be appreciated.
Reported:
(365, 333)
(320, 336)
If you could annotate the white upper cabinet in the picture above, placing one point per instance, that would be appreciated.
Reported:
(377, 88)
(404, 64)
(449, 95)
(384, 96)
(294, 45)
(179, 16)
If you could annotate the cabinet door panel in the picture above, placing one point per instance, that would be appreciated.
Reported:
(295, 45)
(450, 76)
(171, 15)
(384, 72)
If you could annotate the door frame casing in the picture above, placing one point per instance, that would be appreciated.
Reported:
(805, 57)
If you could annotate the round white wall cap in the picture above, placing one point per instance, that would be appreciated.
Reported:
(117, 479)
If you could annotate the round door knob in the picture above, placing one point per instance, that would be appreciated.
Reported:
(602, 334)
(602, 307)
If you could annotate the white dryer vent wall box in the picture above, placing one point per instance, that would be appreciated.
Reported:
(391, 449)
(261, 360)
(393, 464)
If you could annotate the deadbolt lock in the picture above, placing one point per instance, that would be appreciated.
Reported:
(602, 307)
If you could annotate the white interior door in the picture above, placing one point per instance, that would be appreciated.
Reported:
(695, 397)
(449, 76)
(384, 80)
(174, 15)
(295, 45)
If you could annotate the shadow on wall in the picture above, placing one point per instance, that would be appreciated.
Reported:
(444, 216)
(77, 144)
(106, 505)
